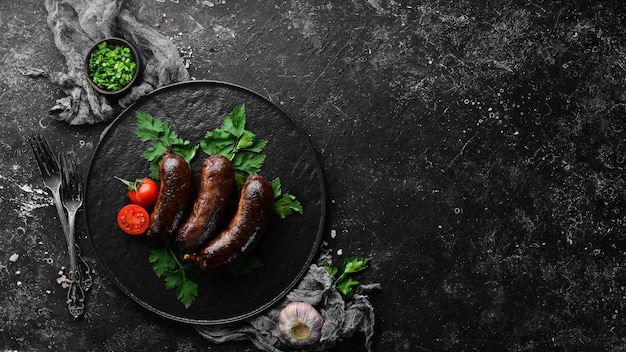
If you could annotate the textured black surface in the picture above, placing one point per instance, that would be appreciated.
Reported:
(474, 150)
(286, 249)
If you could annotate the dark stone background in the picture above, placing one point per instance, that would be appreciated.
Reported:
(474, 150)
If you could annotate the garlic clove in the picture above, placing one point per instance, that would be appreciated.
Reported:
(300, 324)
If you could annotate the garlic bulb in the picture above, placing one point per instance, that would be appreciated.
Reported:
(300, 324)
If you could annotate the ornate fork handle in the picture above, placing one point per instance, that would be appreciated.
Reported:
(75, 294)
(86, 280)
(71, 189)
(83, 270)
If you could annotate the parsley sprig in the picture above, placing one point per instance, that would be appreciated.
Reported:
(235, 142)
(163, 137)
(242, 147)
(166, 263)
(344, 283)
(284, 204)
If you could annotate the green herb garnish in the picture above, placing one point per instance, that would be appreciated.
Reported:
(284, 203)
(344, 283)
(166, 263)
(163, 138)
(239, 145)
(112, 66)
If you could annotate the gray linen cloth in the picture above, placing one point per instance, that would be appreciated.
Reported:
(76, 26)
(342, 318)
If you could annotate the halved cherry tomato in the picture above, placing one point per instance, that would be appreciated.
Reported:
(133, 219)
(143, 192)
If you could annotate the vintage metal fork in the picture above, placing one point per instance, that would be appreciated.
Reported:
(72, 198)
(50, 171)
(52, 174)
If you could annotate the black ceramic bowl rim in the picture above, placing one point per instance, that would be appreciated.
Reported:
(119, 41)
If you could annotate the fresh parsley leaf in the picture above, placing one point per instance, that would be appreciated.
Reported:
(239, 145)
(344, 283)
(154, 151)
(347, 286)
(186, 150)
(236, 122)
(287, 205)
(246, 140)
(166, 263)
(257, 146)
(331, 270)
(284, 204)
(173, 280)
(218, 142)
(248, 162)
(187, 292)
(277, 187)
(162, 138)
(148, 129)
(354, 264)
(161, 261)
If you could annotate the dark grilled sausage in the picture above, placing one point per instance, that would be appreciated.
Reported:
(217, 179)
(176, 195)
(254, 212)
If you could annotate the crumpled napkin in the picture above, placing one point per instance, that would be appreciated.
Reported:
(342, 318)
(76, 26)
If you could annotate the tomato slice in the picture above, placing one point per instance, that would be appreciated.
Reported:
(133, 219)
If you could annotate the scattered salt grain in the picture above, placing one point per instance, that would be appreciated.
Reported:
(19, 283)
(17, 272)
(339, 251)
(333, 233)
(63, 281)
(48, 291)
(14, 257)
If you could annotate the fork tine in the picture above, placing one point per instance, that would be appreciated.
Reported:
(52, 160)
(77, 180)
(48, 163)
(31, 142)
(66, 183)
(36, 147)
(71, 179)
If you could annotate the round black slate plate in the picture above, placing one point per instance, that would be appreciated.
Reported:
(287, 248)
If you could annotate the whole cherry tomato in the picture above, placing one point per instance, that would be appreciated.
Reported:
(133, 219)
(143, 192)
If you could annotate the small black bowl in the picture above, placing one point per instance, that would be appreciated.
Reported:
(133, 80)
